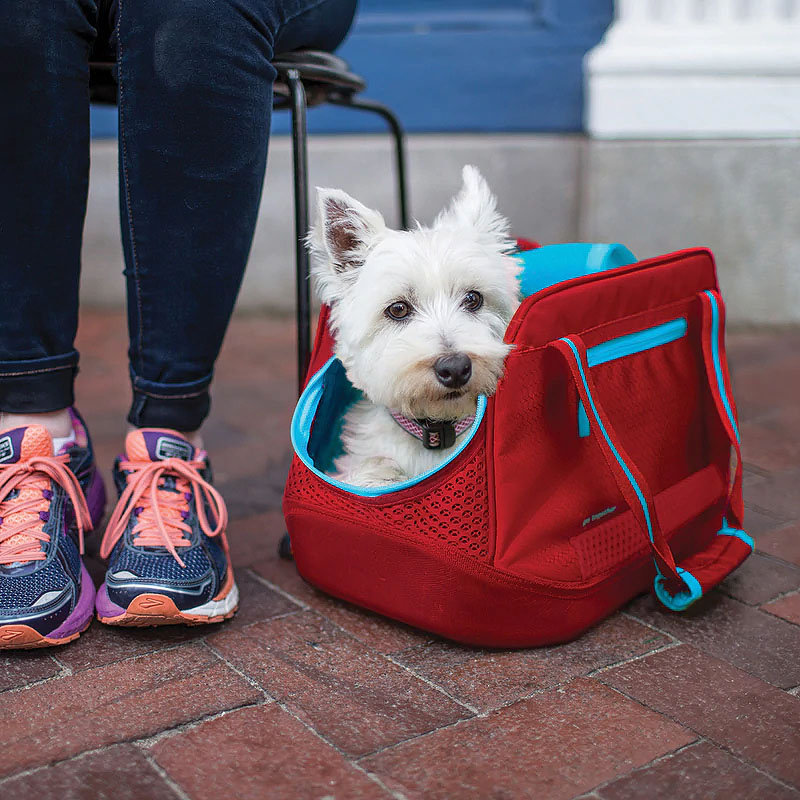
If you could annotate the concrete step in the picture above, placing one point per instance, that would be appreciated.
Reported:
(739, 197)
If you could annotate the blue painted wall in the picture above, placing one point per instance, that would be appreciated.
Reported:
(463, 65)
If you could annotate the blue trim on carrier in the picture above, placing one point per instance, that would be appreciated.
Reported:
(315, 436)
(726, 530)
(679, 601)
(718, 363)
(637, 342)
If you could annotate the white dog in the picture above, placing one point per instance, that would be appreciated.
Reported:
(419, 318)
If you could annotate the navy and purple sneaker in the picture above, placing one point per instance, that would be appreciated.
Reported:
(165, 542)
(47, 502)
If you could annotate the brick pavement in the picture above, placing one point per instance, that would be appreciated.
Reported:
(301, 696)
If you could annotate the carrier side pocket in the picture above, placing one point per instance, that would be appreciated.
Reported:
(630, 344)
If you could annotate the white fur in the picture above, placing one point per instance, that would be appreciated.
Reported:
(360, 268)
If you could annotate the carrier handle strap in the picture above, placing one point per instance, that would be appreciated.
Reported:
(713, 342)
(677, 587)
(629, 479)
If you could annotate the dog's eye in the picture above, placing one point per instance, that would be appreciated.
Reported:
(472, 300)
(398, 310)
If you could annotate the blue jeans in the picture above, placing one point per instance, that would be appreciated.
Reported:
(195, 98)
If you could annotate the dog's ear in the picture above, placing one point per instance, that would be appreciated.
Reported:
(346, 230)
(474, 208)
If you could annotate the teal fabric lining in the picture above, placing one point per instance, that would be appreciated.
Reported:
(317, 425)
(337, 395)
(556, 263)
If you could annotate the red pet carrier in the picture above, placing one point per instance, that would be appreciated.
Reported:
(600, 468)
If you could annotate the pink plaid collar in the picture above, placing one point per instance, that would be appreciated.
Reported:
(434, 434)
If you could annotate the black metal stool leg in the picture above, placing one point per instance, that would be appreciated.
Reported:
(399, 145)
(301, 224)
(300, 173)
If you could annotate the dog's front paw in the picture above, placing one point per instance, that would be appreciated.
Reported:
(373, 472)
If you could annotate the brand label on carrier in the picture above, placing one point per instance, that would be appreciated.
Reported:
(599, 515)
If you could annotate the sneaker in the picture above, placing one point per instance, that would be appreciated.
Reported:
(47, 502)
(165, 542)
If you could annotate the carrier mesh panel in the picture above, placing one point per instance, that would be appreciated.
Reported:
(606, 546)
(457, 513)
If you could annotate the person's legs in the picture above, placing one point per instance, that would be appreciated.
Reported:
(44, 169)
(47, 470)
(195, 98)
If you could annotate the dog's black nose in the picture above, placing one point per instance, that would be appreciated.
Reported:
(453, 371)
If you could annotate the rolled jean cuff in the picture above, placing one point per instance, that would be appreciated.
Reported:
(38, 385)
(180, 406)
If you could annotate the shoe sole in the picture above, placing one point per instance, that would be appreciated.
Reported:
(151, 609)
(23, 637)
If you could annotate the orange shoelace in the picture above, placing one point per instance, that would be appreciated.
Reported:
(24, 515)
(161, 513)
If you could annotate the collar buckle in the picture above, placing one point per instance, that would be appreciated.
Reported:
(437, 434)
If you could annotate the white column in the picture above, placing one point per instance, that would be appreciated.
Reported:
(696, 69)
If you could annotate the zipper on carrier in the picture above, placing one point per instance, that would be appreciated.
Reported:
(628, 345)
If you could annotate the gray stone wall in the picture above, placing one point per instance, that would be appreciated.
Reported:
(739, 197)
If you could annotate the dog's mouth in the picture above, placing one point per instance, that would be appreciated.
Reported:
(455, 395)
